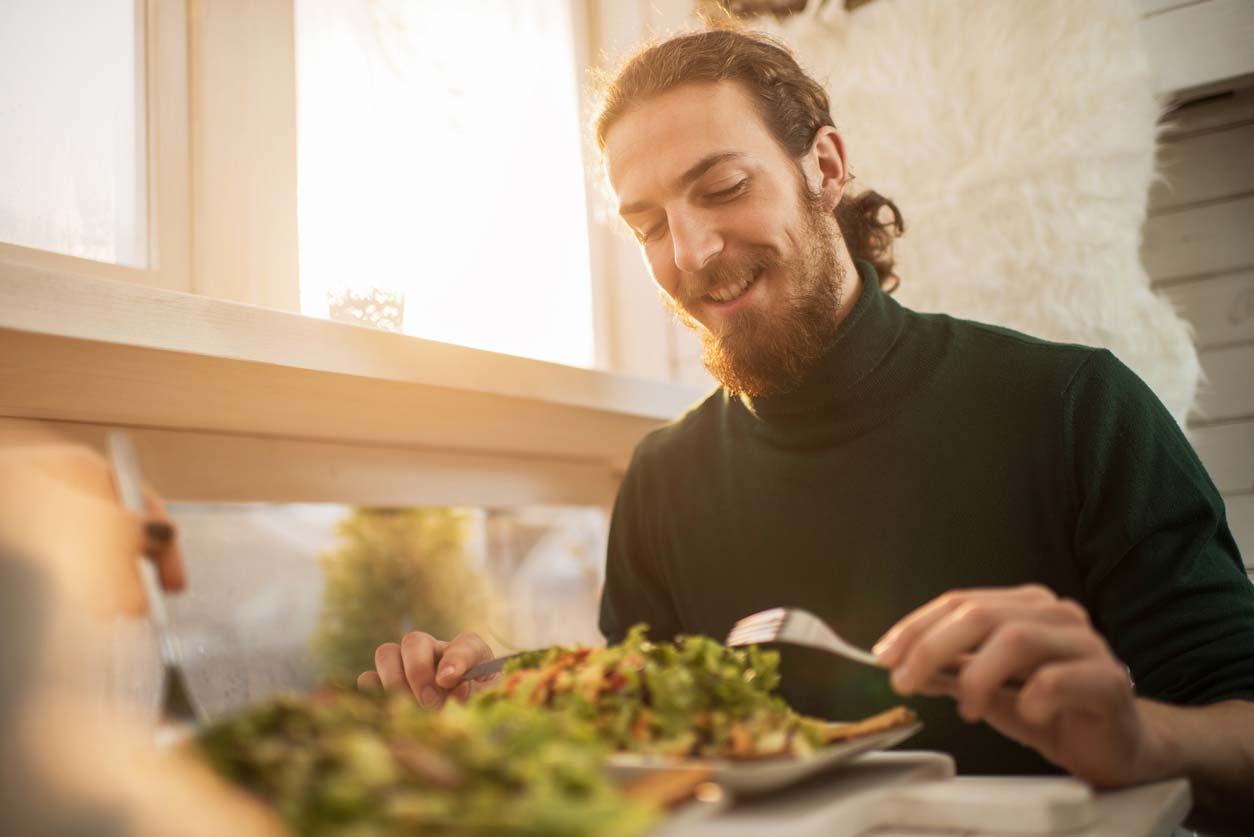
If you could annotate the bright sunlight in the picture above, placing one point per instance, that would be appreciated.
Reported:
(440, 161)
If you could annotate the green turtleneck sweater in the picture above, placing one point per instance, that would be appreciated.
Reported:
(921, 455)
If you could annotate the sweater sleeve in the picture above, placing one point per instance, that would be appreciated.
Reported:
(1163, 577)
(635, 590)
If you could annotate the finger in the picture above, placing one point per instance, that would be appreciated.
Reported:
(898, 640)
(1090, 688)
(420, 652)
(461, 692)
(964, 629)
(77, 466)
(118, 587)
(465, 651)
(1015, 650)
(162, 545)
(1096, 686)
(1002, 714)
(369, 681)
(127, 593)
(387, 662)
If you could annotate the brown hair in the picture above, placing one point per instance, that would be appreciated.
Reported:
(793, 105)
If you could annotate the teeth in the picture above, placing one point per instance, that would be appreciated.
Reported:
(730, 292)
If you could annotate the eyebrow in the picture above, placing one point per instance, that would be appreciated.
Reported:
(695, 171)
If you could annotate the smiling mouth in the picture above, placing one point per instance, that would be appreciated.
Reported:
(734, 291)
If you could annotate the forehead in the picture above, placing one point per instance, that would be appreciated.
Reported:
(655, 142)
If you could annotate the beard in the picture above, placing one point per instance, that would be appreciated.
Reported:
(761, 353)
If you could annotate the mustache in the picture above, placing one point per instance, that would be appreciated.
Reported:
(725, 271)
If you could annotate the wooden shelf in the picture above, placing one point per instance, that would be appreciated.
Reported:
(101, 352)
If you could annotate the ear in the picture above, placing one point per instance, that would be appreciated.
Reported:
(828, 156)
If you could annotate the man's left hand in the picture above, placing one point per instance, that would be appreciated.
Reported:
(1076, 705)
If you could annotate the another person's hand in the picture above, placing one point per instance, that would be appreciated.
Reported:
(58, 507)
(428, 668)
(1076, 706)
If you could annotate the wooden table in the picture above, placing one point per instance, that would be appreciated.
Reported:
(857, 800)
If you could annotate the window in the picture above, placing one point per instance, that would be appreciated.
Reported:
(72, 152)
(441, 184)
(283, 596)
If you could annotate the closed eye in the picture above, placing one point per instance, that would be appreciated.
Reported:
(653, 232)
(729, 192)
(646, 236)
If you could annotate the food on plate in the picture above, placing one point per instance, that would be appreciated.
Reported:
(525, 757)
(898, 716)
(690, 697)
(342, 762)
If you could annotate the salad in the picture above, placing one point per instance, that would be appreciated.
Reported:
(690, 697)
(525, 757)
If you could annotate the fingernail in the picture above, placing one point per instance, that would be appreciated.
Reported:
(884, 648)
(430, 697)
(447, 671)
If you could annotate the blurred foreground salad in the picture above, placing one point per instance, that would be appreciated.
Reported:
(345, 763)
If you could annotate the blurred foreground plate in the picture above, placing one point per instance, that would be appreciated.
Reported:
(755, 776)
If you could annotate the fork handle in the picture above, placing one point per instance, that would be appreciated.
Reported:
(949, 677)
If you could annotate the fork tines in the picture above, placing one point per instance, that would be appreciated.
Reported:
(760, 627)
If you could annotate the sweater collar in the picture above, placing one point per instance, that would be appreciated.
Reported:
(861, 343)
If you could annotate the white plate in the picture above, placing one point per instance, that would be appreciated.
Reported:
(752, 776)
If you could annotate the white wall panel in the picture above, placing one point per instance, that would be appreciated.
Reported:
(1197, 47)
(1227, 451)
(1215, 238)
(1220, 308)
(1228, 388)
(1241, 521)
(1205, 167)
(1219, 112)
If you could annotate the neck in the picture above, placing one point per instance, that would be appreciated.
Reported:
(852, 287)
(869, 326)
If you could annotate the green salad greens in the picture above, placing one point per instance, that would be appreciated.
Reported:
(525, 757)
(345, 763)
(691, 697)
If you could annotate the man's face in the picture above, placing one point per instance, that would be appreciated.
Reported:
(741, 249)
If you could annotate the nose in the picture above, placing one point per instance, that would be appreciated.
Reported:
(695, 242)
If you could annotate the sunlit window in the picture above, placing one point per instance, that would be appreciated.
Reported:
(72, 150)
(441, 187)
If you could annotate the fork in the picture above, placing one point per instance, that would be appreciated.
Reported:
(176, 701)
(801, 627)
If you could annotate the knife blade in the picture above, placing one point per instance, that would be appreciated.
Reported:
(489, 667)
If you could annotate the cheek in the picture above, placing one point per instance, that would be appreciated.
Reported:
(761, 224)
(662, 268)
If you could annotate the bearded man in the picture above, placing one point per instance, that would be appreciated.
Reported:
(1030, 509)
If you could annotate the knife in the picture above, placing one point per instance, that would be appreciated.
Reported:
(489, 667)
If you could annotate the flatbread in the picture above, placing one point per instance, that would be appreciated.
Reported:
(898, 716)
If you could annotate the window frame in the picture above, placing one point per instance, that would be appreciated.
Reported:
(232, 394)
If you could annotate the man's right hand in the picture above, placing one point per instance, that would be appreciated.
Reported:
(428, 668)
